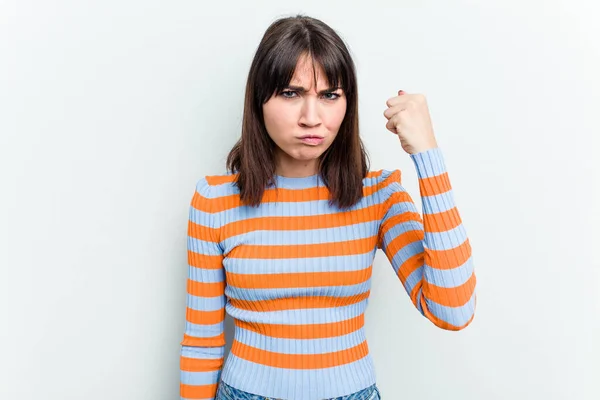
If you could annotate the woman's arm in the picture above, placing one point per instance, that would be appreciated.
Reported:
(431, 255)
(203, 345)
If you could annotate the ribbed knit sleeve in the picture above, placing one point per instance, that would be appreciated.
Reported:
(203, 345)
(430, 255)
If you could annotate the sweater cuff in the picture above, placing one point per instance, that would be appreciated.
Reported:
(429, 162)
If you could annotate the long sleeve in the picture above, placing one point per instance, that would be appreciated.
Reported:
(203, 345)
(431, 255)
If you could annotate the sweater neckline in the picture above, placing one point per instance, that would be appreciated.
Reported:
(302, 182)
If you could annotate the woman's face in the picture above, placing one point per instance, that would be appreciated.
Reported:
(301, 110)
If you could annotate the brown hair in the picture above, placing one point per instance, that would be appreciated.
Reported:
(345, 163)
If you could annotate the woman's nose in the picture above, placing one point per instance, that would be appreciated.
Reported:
(310, 112)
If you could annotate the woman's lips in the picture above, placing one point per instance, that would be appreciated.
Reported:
(312, 140)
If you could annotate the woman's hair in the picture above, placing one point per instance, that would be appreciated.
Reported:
(345, 163)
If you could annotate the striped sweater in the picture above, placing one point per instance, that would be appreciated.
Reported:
(295, 276)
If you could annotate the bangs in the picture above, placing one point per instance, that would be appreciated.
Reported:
(279, 71)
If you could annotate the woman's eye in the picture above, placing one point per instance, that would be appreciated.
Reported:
(286, 92)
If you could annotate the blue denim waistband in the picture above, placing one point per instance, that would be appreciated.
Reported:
(226, 392)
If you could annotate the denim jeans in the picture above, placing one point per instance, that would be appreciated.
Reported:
(226, 392)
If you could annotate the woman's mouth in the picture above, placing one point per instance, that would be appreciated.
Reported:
(313, 140)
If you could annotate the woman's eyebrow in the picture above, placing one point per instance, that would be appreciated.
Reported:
(301, 89)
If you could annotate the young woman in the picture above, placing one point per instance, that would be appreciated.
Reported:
(284, 242)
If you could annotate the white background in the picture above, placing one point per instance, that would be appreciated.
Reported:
(110, 112)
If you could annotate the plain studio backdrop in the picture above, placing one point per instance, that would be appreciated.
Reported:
(111, 111)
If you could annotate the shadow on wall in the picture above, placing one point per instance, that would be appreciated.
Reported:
(229, 332)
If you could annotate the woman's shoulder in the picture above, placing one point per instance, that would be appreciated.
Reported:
(382, 182)
(382, 177)
(216, 185)
(222, 179)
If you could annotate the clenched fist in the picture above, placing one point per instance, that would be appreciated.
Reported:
(408, 117)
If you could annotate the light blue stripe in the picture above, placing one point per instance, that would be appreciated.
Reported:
(443, 278)
(419, 307)
(445, 240)
(274, 209)
(202, 352)
(299, 384)
(301, 316)
(457, 316)
(400, 227)
(435, 240)
(300, 346)
(449, 278)
(308, 236)
(204, 331)
(386, 174)
(202, 186)
(429, 163)
(205, 303)
(229, 188)
(201, 218)
(206, 275)
(351, 262)
(290, 209)
(405, 253)
(438, 203)
(413, 279)
(203, 247)
(199, 378)
(278, 293)
(402, 207)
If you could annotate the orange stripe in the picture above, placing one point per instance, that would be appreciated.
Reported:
(444, 296)
(442, 221)
(214, 180)
(201, 203)
(399, 197)
(395, 176)
(198, 392)
(201, 232)
(204, 289)
(205, 317)
(439, 222)
(312, 331)
(450, 258)
(308, 222)
(227, 202)
(213, 341)
(453, 296)
(392, 221)
(200, 364)
(440, 259)
(342, 248)
(298, 302)
(297, 279)
(410, 265)
(204, 261)
(435, 185)
(443, 324)
(404, 238)
(299, 361)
